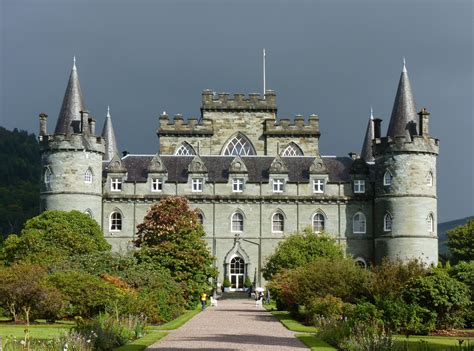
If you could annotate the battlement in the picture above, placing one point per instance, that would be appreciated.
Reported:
(75, 142)
(239, 102)
(400, 144)
(284, 127)
(176, 125)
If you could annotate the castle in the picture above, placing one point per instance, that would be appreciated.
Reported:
(253, 178)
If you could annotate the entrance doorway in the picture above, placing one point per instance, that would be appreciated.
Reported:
(237, 272)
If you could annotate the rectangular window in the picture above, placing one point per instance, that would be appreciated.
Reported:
(116, 184)
(197, 185)
(237, 185)
(157, 184)
(359, 186)
(318, 186)
(278, 185)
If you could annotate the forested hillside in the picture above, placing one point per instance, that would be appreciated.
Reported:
(19, 179)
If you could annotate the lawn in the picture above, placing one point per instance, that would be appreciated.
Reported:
(314, 343)
(142, 343)
(37, 331)
(435, 343)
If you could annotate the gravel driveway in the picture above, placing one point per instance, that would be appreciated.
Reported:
(232, 325)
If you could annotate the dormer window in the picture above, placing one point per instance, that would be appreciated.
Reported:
(359, 186)
(157, 184)
(116, 184)
(88, 176)
(197, 185)
(237, 185)
(318, 186)
(387, 178)
(278, 185)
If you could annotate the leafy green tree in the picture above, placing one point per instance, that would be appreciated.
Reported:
(53, 236)
(299, 249)
(19, 174)
(171, 237)
(461, 242)
(439, 293)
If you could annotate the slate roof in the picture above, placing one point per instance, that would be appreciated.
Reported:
(218, 166)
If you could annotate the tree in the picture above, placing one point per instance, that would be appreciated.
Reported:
(461, 242)
(171, 237)
(53, 236)
(299, 249)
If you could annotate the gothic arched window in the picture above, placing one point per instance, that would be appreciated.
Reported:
(278, 223)
(115, 221)
(429, 179)
(292, 150)
(185, 150)
(88, 176)
(47, 175)
(359, 223)
(387, 178)
(387, 222)
(431, 227)
(318, 223)
(239, 145)
(237, 222)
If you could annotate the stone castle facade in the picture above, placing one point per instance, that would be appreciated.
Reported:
(253, 178)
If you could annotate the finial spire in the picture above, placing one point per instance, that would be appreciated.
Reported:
(371, 113)
(108, 134)
(108, 111)
(74, 63)
(366, 153)
(404, 70)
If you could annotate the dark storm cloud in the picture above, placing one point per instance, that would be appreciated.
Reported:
(332, 58)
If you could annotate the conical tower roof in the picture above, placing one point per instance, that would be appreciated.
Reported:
(71, 107)
(108, 134)
(366, 153)
(404, 118)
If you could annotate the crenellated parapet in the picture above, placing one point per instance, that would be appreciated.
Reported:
(238, 102)
(176, 126)
(402, 144)
(72, 142)
(284, 127)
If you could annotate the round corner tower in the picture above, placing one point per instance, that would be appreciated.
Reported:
(71, 158)
(405, 201)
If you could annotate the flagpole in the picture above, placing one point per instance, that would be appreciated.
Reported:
(264, 78)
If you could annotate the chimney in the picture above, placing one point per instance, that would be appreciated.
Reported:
(377, 125)
(92, 126)
(424, 122)
(42, 127)
(85, 122)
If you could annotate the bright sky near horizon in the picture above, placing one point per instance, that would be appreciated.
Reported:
(333, 58)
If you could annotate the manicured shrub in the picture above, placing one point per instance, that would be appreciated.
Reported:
(323, 307)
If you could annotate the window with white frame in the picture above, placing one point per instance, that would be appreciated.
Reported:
(116, 184)
(292, 150)
(387, 222)
(88, 176)
(387, 178)
(47, 176)
(157, 184)
(318, 186)
(239, 145)
(237, 185)
(318, 223)
(115, 221)
(185, 150)
(429, 179)
(359, 186)
(359, 223)
(237, 222)
(431, 227)
(278, 185)
(197, 184)
(278, 223)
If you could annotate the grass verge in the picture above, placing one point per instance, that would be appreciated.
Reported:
(142, 343)
(314, 343)
(435, 343)
(176, 323)
(292, 324)
(47, 331)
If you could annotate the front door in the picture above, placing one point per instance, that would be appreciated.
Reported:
(237, 272)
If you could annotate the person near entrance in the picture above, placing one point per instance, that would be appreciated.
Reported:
(203, 300)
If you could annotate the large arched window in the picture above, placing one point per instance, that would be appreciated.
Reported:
(387, 222)
(292, 150)
(185, 150)
(115, 221)
(88, 176)
(318, 222)
(237, 222)
(278, 223)
(238, 145)
(359, 223)
(431, 227)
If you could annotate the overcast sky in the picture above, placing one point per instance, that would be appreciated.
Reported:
(332, 58)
